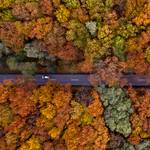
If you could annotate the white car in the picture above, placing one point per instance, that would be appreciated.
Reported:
(46, 77)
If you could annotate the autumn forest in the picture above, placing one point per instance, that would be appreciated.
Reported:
(105, 38)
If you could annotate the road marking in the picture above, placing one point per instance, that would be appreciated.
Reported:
(141, 79)
(95, 79)
(74, 79)
(10, 79)
(31, 79)
(54, 79)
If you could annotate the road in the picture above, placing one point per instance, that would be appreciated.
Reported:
(77, 79)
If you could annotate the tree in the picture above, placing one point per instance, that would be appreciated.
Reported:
(108, 71)
(12, 62)
(56, 144)
(47, 8)
(80, 35)
(12, 140)
(94, 136)
(142, 19)
(3, 143)
(20, 56)
(41, 28)
(20, 99)
(17, 126)
(145, 144)
(32, 143)
(5, 90)
(84, 97)
(53, 99)
(116, 140)
(62, 14)
(134, 8)
(76, 110)
(136, 61)
(147, 52)
(56, 3)
(126, 146)
(105, 33)
(6, 114)
(52, 68)
(7, 15)
(140, 101)
(137, 124)
(4, 49)
(28, 68)
(118, 46)
(96, 107)
(103, 134)
(7, 3)
(92, 27)
(38, 28)
(38, 49)
(68, 52)
(86, 66)
(111, 19)
(81, 14)
(28, 11)
(95, 6)
(116, 109)
(127, 30)
(62, 116)
(20, 12)
(72, 4)
(42, 128)
(55, 40)
(137, 43)
(94, 49)
(86, 134)
(15, 41)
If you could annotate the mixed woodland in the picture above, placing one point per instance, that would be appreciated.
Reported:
(61, 117)
(105, 38)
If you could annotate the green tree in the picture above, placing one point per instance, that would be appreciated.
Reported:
(127, 30)
(116, 109)
(27, 68)
(72, 4)
(7, 15)
(12, 62)
(118, 46)
(78, 33)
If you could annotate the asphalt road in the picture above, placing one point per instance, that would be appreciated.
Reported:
(77, 79)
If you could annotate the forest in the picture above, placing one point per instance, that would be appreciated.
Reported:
(61, 117)
(105, 38)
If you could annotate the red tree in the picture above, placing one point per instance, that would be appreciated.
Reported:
(68, 52)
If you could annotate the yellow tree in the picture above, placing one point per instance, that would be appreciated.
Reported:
(53, 102)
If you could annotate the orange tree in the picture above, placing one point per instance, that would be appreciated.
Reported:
(141, 102)
(54, 107)
(86, 127)
(16, 104)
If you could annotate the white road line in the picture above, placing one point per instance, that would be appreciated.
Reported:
(10, 79)
(54, 79)
(141, 79)
(74, 79)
